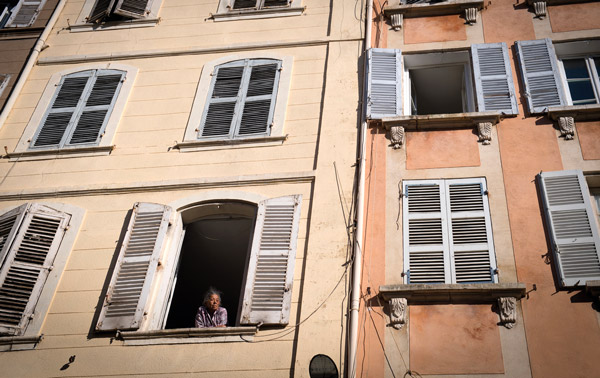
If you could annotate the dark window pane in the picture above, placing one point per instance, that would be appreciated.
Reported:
(582, 92)
(576, 69)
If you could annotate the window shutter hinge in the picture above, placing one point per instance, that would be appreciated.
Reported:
(50, 268)
(271, 125)
(32, 315)
(280, 69)
(485, 192)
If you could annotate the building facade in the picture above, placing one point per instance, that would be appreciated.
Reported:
(159, 148)
(481, 248)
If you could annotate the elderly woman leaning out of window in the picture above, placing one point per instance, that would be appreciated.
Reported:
(211, 314)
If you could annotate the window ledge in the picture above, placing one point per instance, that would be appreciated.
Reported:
(8, 343)
(188, 335)
(558, 2)
(217, 144)
(593, 288)
(438, 9)
(257, 13)
(444, 121)
(128, 24)
(59, 153)
(453, 293)
(577, 112)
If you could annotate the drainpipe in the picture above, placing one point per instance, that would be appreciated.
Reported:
(31, 61)
(359, 234)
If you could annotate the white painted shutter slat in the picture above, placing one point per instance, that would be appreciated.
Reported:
(540, 75)
(425, 232)
(471, 244)
(131, 281)
(27, 265)
(101, 9)
(97, 108)
(573, 230)
(493, 78)
(133, 8)
(258, 99)
(25, 14)
(384, 70)
(268, 291)
(9, 224)
(221, 103)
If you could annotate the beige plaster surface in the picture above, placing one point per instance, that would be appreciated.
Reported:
(434, 29)
(571, 17)
(503, 22)
(455, 339)
(441, 149)
(589, 139)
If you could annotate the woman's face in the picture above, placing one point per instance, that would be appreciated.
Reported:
(213, 302)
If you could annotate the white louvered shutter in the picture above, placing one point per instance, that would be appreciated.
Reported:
(9, 224)
(133, 8)
(470, 231)
(493, 78)
(268, 290)
(101, 9)
(539, 72)
(132, 278)
(426, 251)
(4, 79)
(80, 109)
(25, 13)
(4, 15)
(571, 226)
(27, 264)
(384, 71)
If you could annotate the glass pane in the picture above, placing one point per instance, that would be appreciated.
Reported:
(576, 69)
(597, 62)
(582, 92)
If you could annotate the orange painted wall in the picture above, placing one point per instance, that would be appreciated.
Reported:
(455, 339)
(442, 149)
(589, 139)
(434, 29)
(562, 333)
(571, 17)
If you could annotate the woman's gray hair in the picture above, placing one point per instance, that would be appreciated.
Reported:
(209, 293)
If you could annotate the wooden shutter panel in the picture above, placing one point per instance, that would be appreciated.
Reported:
(9, 224)
(101, 9)
(223, 96)
(133, 8)
(384, 73)
(131, 281)
(571, 226)
(470, 231)
(98, 105)
(426, 252)
(268, 291)
(27, 265)
(25, 13)
(539, 72)
(4, 15)
(258, 98)
(493, 78)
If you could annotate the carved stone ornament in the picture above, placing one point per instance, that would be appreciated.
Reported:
(485, 132)
(567, 127)
(508, 311)
(397, 21)
(398, 307)
(471, 15)
(397, 136)
(540, 9)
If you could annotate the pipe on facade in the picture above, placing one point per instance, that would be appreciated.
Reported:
(359, 233)
(31, 61)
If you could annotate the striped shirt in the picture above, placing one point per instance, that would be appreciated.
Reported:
(204, 319)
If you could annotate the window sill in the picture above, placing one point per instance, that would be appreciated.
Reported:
(444, 121)
(141, 23)
(257, 13)
(218, 144)
(59, 153)
(189, 335)
(453, 293)
(439, 9)
(8, 343)
(558, 2)
(577, 112)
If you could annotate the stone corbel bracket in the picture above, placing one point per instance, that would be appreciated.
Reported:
(505, 295)
(567, 116)
(540, 8)
(396, 11)
(483, 121)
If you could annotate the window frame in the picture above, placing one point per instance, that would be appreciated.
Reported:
(32, 329)
(225, 11)
(191, 141)
(24, 151)
(82, 24)
(17, 8)
(592, 71)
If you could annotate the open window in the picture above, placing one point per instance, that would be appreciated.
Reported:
(19, 13)
(440, 82)
(245, 250)
(447, 232)
(114, 14)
